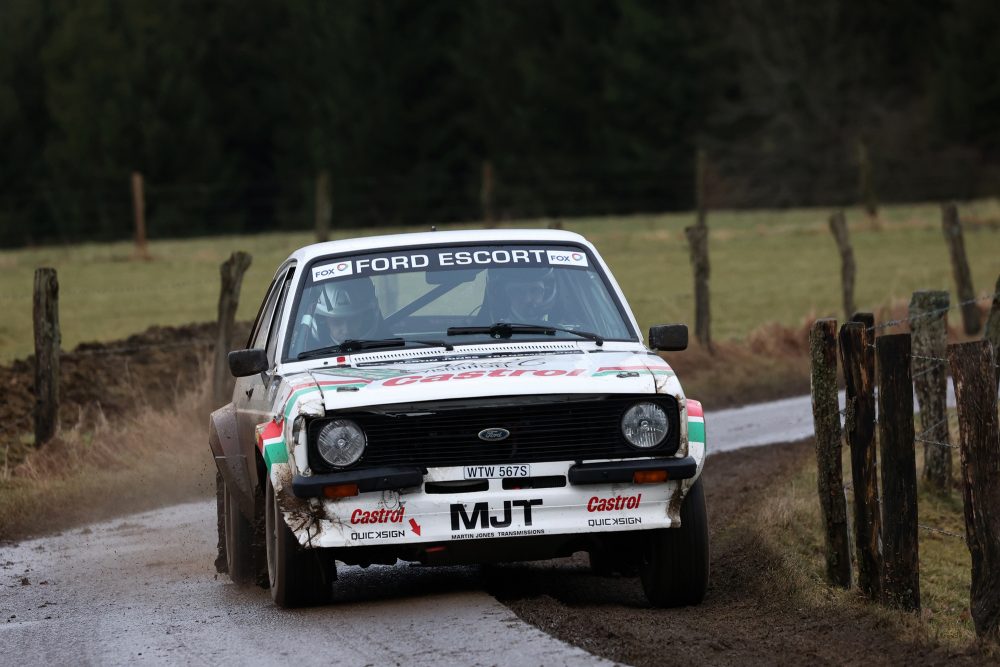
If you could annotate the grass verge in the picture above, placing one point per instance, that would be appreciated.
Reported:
(793, 529)
(100, 468)
(767, 266)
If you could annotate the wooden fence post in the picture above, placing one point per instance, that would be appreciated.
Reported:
(858, 361)
(697, 237)
(486, 190)
(979, 444)
(901, 566)
(929, 322)
(232, 271)
(47, 342)
(867, 319)
(838, 225)
(992, 333)
(324, 207)
(960, 266)
(826, 422)
(866, 182)
(139, 216)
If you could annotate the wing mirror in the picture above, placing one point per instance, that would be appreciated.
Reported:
(243, 363)
(668, 337)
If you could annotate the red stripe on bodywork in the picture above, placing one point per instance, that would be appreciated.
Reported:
(663, 365)
(695, 409)
(272, 430)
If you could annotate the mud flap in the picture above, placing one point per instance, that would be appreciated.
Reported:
(237, 476)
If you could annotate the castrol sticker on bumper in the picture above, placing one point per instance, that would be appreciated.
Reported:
(390, 518)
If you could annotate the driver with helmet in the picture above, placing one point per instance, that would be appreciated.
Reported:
(346, 309)
(520, 296)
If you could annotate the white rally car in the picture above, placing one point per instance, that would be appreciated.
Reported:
(457, 397)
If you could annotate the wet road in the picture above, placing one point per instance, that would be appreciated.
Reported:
(143, 589)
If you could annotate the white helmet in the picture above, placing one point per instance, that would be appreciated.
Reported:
(349, 306)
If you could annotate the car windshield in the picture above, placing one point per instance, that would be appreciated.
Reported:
(417, 295)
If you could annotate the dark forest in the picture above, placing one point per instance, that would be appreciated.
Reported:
(231, 108)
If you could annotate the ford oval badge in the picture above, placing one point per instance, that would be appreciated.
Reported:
(494, 434)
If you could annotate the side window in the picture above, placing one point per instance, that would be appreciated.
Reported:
(272, 336)
(263, 323)
(263, 316)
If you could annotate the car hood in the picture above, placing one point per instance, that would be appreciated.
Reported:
(380, 379)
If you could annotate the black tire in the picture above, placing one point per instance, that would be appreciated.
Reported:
(298, 577)
(601, 563)
(674, 567)
(243, 557)
(615, 556)
(221, 566)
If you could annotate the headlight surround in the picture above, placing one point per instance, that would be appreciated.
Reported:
(341, 443)
(645, 425)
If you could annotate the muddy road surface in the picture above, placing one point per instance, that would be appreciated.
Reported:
(143, 589)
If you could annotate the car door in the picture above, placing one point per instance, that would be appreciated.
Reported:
(253, 395)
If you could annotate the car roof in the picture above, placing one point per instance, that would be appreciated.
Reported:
(484, 236)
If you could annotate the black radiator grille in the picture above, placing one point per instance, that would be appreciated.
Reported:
(542, 428)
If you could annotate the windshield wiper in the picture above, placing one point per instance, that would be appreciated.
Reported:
(507, 329)
(354, 345)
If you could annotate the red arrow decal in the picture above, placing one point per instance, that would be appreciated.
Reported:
(414, 526)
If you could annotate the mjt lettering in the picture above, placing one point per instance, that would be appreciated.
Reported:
(481, 517)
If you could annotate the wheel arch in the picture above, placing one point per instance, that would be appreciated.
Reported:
(240, 474)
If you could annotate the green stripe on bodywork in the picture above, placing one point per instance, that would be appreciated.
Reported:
(275, 453)
(291, 399)
(290, 403)
(696, 431)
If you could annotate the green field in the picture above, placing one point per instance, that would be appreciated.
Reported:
(767, 266)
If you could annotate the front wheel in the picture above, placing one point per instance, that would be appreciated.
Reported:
(298, 577)
(674, 567)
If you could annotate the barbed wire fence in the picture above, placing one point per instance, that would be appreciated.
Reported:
(895, 540)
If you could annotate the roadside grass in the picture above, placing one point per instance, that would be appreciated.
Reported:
(792, 528)
(767, 266)
(98, 468)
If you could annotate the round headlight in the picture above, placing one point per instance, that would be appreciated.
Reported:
(341, 443)
(645, 425)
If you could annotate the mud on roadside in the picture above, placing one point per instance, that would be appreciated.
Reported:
(754, 612)
(107, 380)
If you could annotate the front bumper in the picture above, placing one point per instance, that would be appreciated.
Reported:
(404, 506)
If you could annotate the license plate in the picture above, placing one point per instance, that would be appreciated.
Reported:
(497, 471)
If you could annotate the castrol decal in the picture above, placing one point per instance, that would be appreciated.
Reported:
(615, 504)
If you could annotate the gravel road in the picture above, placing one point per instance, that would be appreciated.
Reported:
(143, 589)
